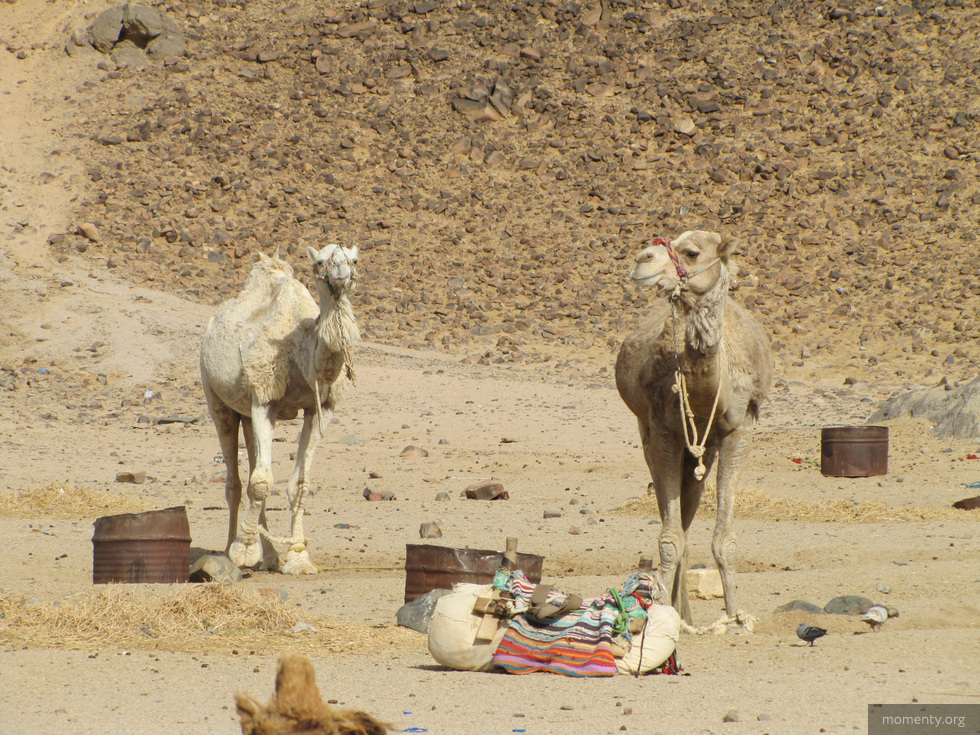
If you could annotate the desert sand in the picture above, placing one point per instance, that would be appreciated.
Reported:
(92, 361)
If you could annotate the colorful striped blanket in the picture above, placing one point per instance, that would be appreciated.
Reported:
(579, 643)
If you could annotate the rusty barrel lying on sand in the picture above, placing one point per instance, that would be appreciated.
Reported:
(854, 451)
(429, 568)
(151, 547)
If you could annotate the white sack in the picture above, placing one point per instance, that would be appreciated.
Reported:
(453, 629)
(657, 642)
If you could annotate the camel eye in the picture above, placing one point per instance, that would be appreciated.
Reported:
(691, 254)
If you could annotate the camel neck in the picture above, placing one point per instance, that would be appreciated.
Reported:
(703, 316)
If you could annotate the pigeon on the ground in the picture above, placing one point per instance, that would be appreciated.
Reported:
(810, 633)
(877, 615)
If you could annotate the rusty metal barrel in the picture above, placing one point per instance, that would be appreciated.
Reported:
(429, 568)
(854, 451)
(142, 548)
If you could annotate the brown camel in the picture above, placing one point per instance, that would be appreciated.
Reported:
(695, 373)
(296, 707)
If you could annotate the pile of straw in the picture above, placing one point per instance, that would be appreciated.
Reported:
(65, 501)
(754, 504)
(190, 618)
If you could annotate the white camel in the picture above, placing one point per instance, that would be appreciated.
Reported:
(268, 353)
(694, 373)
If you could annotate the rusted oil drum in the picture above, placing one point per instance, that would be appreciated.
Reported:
(142, 548)
(854, 451)
(429, 568)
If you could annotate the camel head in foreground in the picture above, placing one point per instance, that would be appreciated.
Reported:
(296, 707)
(334, 268)
(694, 374)
(268, 354)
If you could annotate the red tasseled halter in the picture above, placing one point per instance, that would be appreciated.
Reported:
(681, 270)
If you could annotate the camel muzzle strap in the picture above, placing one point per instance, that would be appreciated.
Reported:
(682, 273)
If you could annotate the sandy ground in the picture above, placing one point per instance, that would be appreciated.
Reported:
(83, 348)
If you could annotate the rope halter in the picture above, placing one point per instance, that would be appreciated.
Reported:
(695, 445)
(683, 274)
(353, 274)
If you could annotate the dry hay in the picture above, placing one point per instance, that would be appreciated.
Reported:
(754, 504)
(65, 501)
(189, 618)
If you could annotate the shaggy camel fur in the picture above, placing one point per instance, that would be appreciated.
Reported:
(694, 373)
(267, 354)
(296, 707)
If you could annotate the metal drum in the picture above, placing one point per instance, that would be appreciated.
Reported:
(151, 547)
(429, 568)
(854, 451)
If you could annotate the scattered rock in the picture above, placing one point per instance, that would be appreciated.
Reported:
(411, 451)
(132, 26)
(954, 412)
(214, 568)
(705, 584)
(486, 491)
(89, 231)
(848, 605)
(803, 605)
(551, 513)
(430, 530)
(136, 478)
(968, 503)
(731, 716)
(373, 496)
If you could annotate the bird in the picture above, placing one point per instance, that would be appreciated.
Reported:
(876, 616)
(810, 633)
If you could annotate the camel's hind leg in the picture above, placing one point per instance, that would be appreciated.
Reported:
(733, 448)
(298, 558)
(226, 422)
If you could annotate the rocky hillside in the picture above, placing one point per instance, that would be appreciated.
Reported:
(500, 164)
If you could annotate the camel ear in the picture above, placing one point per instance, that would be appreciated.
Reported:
(728, 245)
(353, 252)
(312, 252)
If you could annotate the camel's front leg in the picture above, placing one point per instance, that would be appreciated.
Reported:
(723, 545)
(298, 558)
(249, 549)
(665, 459)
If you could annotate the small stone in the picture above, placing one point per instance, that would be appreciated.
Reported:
(685, 126)
(441, 497)
(136, 478)
(705, 584)
(486, 491)
(430, 530)
(349, 439)
(411, 451)
(731, 716)
(89, 231)
(552, 514)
